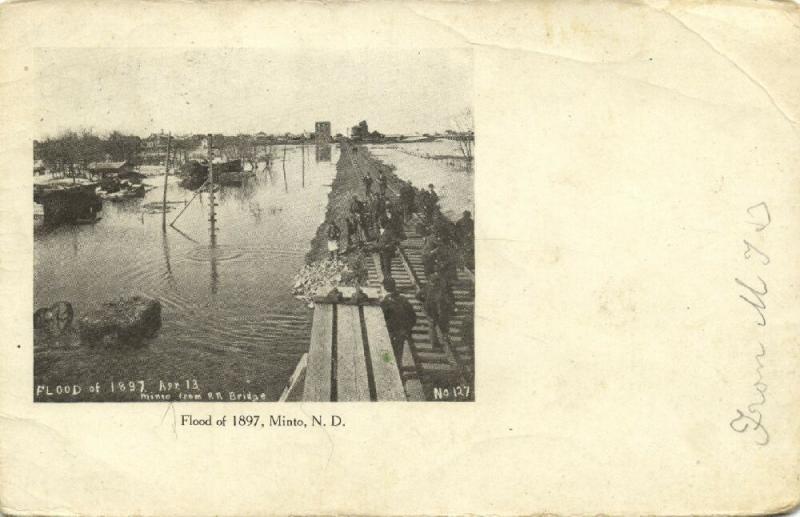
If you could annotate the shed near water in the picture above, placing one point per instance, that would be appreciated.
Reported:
(103, 169)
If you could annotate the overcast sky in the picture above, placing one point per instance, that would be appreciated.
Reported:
(249, 90)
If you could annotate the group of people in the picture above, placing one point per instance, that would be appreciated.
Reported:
(383, 184)
(379, 223)
(446, 248)
(375, 220)
(443, 252)
(367, 221)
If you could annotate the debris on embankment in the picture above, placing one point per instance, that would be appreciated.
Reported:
(324, 274)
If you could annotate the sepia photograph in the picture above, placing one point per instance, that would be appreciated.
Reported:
(253, 225)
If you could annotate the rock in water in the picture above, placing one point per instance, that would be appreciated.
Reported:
(126, 321)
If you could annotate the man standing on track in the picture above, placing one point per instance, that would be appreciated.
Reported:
(357, 212)
(394, 222)
(434, 197)
(430, 254)
(465, 228)
(387, 248)
(428, 201)
(377, 209)
(382, 183)
(333, 240)
(439, 303)
(367, 179)
(465, 233)
(353, 238)
(407, 200)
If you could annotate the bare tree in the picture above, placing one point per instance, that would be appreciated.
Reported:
(466, 136)
(240, 147)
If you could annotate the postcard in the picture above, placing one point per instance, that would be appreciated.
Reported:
(399, 258)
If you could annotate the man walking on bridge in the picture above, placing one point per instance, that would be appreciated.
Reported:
(400, 318)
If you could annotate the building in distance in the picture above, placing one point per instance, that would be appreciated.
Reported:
(360, 132)
(322, 131)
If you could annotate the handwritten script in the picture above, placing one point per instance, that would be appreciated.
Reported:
(754, 294)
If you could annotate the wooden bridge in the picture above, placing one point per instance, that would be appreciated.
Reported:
(350, 357)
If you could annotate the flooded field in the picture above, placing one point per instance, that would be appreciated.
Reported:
(437, 162)
(229, 320)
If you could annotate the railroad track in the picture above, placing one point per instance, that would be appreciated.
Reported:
(428, 368)
(452, 365)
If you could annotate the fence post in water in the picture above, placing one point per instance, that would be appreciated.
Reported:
(283, 164)
(166, 175)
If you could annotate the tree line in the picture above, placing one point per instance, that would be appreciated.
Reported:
(75, 150)
(72, 151)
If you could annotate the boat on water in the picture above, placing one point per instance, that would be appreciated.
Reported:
(195, 172)
(124, 190)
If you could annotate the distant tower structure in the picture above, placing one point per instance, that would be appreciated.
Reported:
(360, 132)
(322, 132)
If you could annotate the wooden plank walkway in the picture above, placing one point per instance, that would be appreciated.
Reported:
(384, 368)
(350, 357)
(318, 377)
(351, 371)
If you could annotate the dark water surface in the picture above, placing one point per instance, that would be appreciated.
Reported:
(230, 324)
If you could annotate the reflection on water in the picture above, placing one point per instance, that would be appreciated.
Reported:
(323, 152)
(229, 320)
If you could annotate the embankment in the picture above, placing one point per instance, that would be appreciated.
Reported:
(346, 183)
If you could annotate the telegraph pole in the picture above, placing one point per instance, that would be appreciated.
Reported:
(212, 216)
(166, 175)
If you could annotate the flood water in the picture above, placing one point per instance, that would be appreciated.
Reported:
(451, 180)
(229, 321)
